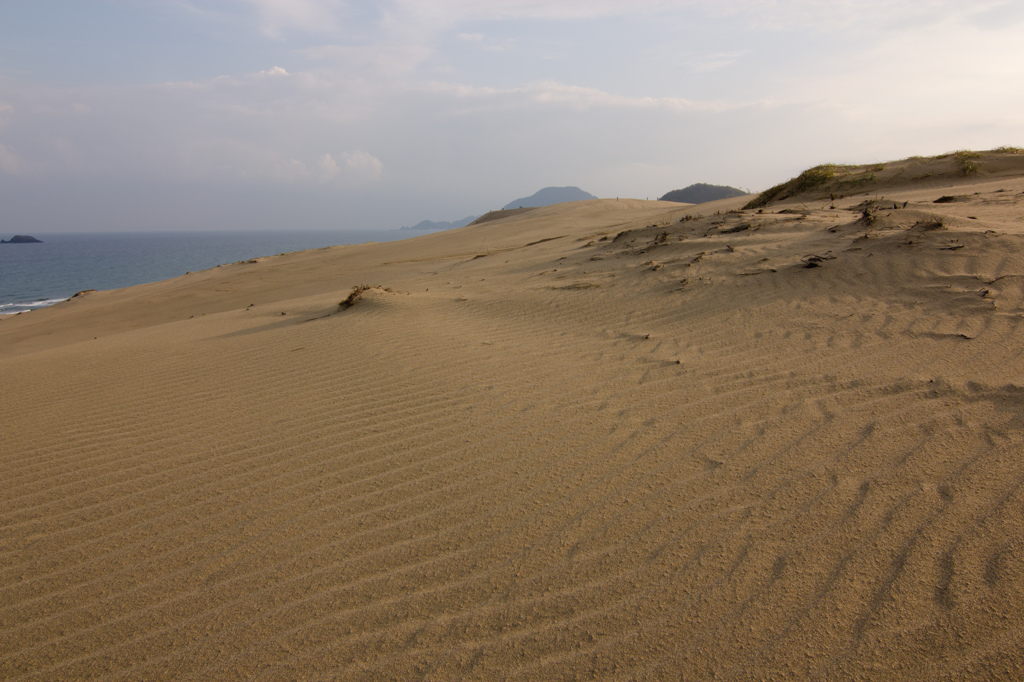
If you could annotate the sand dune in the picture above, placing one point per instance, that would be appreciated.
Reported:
(611, 439)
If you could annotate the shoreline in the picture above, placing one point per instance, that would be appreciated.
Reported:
(152, 253)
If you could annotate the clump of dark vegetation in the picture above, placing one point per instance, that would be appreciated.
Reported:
(1009, 150)
(812, 178)
(357, 292)
(945, 199)
(738, 228)
(815, 261)
(964, 160)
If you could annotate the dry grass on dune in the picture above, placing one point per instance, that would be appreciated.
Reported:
(832, 180)
(610, 439)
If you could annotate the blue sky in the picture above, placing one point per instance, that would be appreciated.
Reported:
(267, 114)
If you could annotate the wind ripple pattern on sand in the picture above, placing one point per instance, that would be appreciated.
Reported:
(537, 482)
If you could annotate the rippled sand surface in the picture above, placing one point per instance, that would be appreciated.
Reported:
(611, 439)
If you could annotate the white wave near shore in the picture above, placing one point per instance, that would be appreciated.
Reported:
(15, 308)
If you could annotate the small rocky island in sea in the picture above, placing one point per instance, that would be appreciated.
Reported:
(21, 239)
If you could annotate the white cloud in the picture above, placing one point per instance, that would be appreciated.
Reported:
(551, 93)
(372, 61)
(866, 16)
(10, 164)
(408, 17)
(275, 71)
(293, 169)
(887, 83)
(479, 40)
(709, 63)
(364, 165)
(5, 109)
(278, 17)
(328, 166)
(455, 11)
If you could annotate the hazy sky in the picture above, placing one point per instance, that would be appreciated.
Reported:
(324, 114)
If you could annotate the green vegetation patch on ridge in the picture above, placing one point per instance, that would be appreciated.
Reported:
(841, 178)
(964, 160)
(812, 178)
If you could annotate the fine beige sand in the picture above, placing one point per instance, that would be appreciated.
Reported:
(595, 440)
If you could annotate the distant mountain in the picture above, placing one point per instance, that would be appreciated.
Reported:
(701, 192)
(21, 239)
(442, 225)
(549, 196)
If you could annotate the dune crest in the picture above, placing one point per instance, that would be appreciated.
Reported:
(616, 439)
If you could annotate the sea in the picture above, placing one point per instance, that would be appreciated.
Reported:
(38, 275)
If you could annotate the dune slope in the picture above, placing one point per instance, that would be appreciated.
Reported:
(617, 439)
